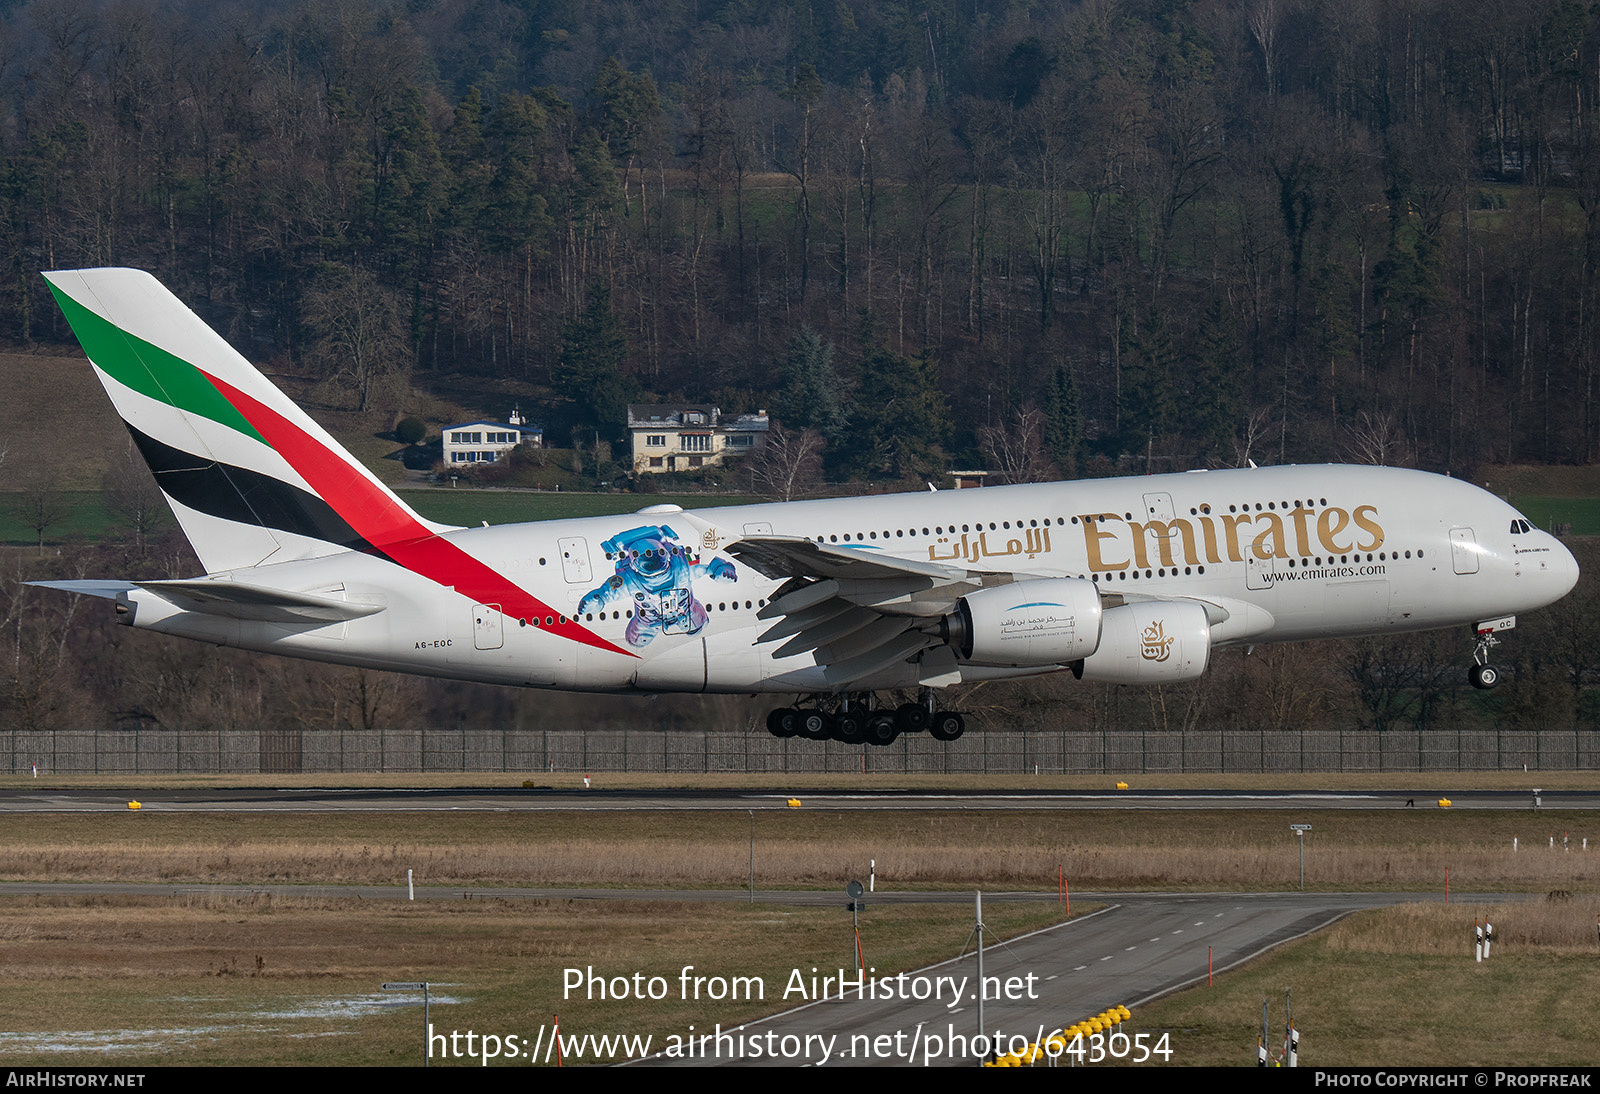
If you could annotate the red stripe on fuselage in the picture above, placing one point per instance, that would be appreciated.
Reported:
(377, 518)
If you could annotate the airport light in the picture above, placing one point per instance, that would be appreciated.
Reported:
(1301, 830)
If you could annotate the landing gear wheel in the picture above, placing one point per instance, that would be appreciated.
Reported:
(814, 725)
(783, 722)
(1483, 677)
(912, 718)
(881, 730)
(850, 726)
(947, 726)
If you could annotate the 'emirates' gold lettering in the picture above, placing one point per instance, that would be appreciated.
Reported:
(1113, 543)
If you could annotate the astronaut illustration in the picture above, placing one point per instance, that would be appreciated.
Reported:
(656, 574)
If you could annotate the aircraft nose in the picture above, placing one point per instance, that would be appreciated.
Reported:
(1566, 568)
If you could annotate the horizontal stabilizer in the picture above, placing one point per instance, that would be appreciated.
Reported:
(236, 600)
(107, 590)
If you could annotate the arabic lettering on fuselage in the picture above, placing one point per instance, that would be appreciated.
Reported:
(1116, 543)
(974, 549)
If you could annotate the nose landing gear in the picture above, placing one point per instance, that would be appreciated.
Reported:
(1481, 674)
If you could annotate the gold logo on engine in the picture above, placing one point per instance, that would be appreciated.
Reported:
(1154, 643)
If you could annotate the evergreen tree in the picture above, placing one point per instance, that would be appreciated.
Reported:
(1217, 402)
(1063, 424)
(1147, 387)
(900, 419)
(813, 395)
(590, 369)
(515, 218)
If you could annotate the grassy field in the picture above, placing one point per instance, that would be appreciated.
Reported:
(1400, 987)
(469, 507)
(203, 977)
(86, 517)
(1111, 849)
(1425, 784)
(259, 980)
(1582, 514)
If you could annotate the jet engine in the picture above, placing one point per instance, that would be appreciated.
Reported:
(1049, 621)
(1150, 642)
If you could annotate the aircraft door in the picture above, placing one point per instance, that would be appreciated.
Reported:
(1158, 506)
(1258, 571)
(758, 528)
(575, 560)
(1463, 551)
(486, 633)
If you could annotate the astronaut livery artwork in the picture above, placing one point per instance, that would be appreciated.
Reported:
(656, 574)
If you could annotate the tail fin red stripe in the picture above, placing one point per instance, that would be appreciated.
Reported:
(393, 530)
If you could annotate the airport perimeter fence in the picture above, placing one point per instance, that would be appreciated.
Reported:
(531, 752)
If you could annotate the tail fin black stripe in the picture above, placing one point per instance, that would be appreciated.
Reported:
(244, 496)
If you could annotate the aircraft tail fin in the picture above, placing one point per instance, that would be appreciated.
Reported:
(250, 477)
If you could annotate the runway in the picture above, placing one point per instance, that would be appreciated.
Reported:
(489, 800)
(1140, 947)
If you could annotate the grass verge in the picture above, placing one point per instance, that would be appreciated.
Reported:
(272, 981)
(1348, 850)
(1400, 987)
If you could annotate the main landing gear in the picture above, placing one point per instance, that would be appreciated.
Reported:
(1481, 674)
(858, 719)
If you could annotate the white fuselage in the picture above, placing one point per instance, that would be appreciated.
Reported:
(1285, 553)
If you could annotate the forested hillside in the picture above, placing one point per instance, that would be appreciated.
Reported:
(1179, 232)
(1069, 238)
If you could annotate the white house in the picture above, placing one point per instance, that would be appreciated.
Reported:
(488, 442)
(688, 436)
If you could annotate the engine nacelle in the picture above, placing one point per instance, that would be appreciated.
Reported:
(1150, 642)
(1050, 621)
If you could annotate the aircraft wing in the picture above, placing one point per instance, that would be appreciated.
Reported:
(858, 611)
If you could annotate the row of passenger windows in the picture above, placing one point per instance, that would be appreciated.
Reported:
(590, 617)
(939, 530)
(991, 526)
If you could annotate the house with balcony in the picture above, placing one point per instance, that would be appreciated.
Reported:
(690, 436)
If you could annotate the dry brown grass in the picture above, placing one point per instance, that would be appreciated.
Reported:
(1564, 926)
(1399, 849)
(1423, 783)
(266, 979)
(1400, 987)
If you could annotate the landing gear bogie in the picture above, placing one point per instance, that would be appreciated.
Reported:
(858, 720)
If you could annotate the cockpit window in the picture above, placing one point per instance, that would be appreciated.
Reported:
(1520, 527)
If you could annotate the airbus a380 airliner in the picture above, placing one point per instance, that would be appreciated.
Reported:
(1131, 580)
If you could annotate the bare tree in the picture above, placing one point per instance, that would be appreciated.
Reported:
(42, 506)
(1016, 449)
(1376, 438)
(788, 465)
(360, 339)
(1253, 432)
(131, 493)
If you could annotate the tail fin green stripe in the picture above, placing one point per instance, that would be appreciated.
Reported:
(149, 369)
